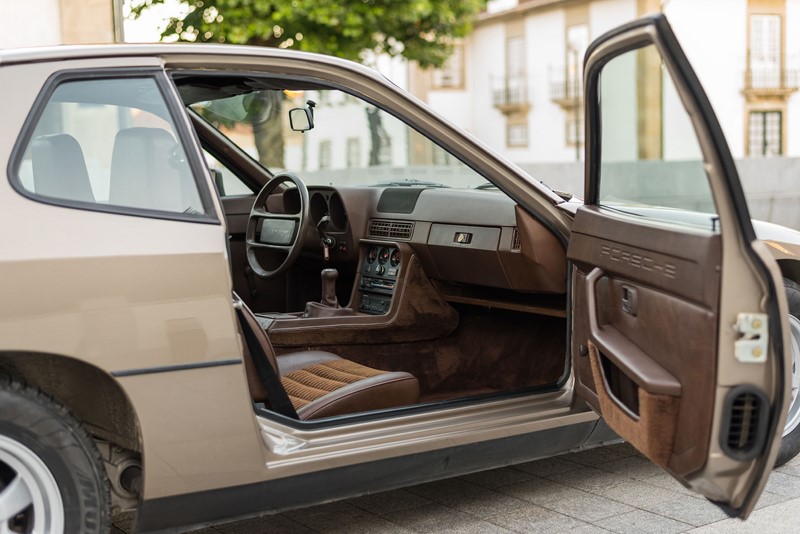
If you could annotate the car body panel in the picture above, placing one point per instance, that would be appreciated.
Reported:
(148, 302)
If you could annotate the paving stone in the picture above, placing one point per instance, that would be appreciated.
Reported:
(541, 492)
(334, 513)
(389, 501)
(484, 505)
(693, 510)
(548, 466)
(446, 491)
(364, 525)
(589, 479)
(768, 499)
(665, 480)
(496, 478)
(434, 518)
(632, 467)
(779, 518)
(595, 456)
(642, 522)
(268, 524)
(535, 520)
(639, 494)
(783, 484)
(588, 507)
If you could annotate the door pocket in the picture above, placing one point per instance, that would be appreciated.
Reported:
(652, 429)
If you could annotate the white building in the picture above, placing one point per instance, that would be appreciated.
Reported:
(53, 22)
(515, 81)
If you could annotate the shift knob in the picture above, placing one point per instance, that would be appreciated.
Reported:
(329, 277)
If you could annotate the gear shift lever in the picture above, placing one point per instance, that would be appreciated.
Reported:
(329, 304)
(329, 277)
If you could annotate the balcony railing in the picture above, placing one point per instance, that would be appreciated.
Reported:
(776, 79)
(566, 93)
(510, 93)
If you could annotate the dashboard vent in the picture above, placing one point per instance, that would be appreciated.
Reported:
(744, 423)
(515, 239)
(390, 229)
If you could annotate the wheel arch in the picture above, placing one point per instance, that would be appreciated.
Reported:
(90, 393)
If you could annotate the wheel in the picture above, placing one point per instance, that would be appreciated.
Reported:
(790, 443)
(51, 476)
(281, 232)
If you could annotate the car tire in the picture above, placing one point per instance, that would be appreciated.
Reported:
(790, 443)
(49, 466)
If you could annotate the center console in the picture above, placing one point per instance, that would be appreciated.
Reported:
(379, 271)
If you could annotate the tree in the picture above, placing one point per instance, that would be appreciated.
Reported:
(418, 30)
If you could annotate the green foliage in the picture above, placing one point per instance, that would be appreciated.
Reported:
(419, 30)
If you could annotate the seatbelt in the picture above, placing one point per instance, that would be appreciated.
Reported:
(278, 399)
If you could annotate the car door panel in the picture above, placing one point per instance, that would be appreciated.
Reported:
(640, 292)
(666, 288)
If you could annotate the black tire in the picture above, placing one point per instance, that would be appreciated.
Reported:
(790, 444)
(47, 429)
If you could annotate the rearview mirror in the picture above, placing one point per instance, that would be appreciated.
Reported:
(302, 119)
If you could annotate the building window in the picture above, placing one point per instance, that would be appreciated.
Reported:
(451, 74)
(577, 42)
(324, 155)
(443, 158)
(765, 51)
(517, 135)
(765, 129)
(574, 129)
(353, 152)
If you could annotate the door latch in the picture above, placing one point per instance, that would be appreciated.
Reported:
(751, 347)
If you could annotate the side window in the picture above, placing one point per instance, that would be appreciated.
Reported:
(109, 142)
(229, 184)
(651, 157)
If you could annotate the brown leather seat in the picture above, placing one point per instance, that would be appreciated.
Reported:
(320, 384)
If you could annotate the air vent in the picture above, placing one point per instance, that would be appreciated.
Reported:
(744, 426)
(515, 239)
(391, 229)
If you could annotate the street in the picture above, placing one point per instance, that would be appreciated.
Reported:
(609, 489)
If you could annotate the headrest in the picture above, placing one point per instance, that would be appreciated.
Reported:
(59, 169)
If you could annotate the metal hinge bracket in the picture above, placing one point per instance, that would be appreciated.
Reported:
(751, 347)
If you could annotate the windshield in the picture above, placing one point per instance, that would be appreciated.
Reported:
(352, 142)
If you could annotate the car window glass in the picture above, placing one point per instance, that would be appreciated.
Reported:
(230, 184)
(110, 142)
(352, 142)
(651, 164)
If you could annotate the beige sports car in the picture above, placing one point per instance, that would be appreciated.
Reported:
(239, 280)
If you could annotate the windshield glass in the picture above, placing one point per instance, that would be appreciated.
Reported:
(352, 142)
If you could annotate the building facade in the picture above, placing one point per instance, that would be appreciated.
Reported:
(515, 82)
(53, 22)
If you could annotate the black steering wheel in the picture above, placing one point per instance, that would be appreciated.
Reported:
(276, 231)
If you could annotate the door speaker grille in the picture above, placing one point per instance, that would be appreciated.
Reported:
(744, 427)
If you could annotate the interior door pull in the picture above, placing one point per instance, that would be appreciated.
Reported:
(630, 300)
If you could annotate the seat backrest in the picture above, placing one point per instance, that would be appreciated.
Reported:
(59, 168)
(143, 173)
(257, 389)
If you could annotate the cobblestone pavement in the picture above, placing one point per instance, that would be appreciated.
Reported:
(609, 489)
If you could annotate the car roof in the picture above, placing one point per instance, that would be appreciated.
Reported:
(72, 52)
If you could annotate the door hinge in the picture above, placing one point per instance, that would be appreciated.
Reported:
(751, 347)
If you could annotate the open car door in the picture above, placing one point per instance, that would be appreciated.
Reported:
(677, 310)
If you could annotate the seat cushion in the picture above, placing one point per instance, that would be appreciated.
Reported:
(321, 384)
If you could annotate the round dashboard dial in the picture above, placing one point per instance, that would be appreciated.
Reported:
(372, 254)
(395, 259)
(383, 257)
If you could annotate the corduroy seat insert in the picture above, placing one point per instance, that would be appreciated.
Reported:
(314, 381)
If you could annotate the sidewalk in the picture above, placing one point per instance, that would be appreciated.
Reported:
(607, 489)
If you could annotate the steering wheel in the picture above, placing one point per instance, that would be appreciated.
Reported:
(276, 231)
